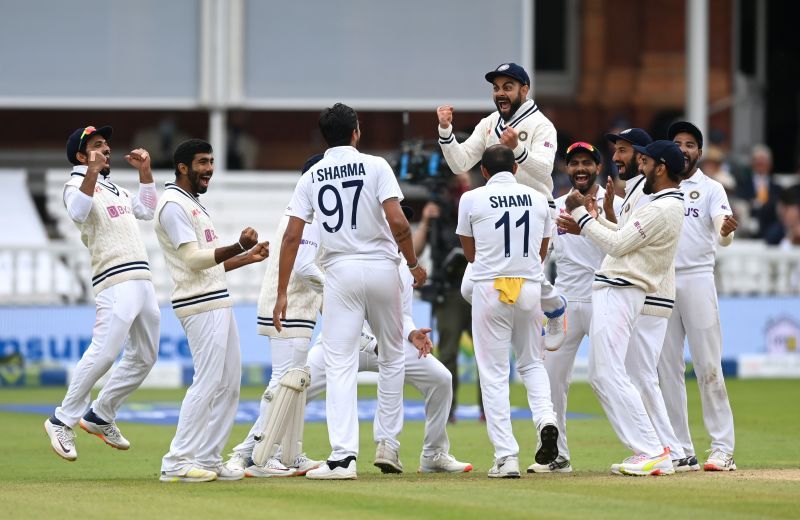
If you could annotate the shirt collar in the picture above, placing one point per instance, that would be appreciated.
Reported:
(501, 177)
(337, 150)
(81, 168)
(696, 177)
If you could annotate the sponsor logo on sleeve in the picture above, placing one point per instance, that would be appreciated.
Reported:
(210, 235)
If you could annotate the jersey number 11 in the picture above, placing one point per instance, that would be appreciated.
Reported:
(505, 221)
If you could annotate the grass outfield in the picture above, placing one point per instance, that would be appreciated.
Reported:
(107, 483)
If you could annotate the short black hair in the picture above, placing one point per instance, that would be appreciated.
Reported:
(498, 158)
(337, 124)
(185, 152)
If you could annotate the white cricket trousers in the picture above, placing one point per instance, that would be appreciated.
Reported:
(696, 317)
(209, 408)
(641, 364)
(356, 290)
(614, 315)
(286, 353)
(559, 366)
(428, 375)
(127, 314)
(497, 329)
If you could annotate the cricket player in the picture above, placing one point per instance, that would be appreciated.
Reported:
(639, 257)
(127, 310)
(425, 373)
(201, 302)
(521, 126)
(289, 347)
(708, 221)
(502, 225)
(648, 334)
(576, 258)
(357, 199)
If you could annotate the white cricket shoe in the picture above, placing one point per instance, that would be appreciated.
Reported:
(560, 465)
(505, 467)
(555, 332)
(62, 439)
(189, 475)
(223, 472)
(238, 461)
(303, 465)
(686, 464)
(642, 465)
(547, 450)
(387, 459)
(344, 469)
(271, 468)
(442, 462)
(718, 460)
(108, 433)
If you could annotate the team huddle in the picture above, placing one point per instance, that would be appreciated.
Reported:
(634, 274)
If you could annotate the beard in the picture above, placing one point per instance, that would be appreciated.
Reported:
(589, 183)
(194, 180)
(649, 184)
(515, 104)
(631, 169)
(690, 168)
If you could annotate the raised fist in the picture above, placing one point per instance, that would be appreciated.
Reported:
(248, 238)
(445, 115)
(138, 158)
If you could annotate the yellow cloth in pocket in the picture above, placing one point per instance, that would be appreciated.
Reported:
(509, 288)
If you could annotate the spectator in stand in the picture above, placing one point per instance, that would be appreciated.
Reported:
(785, 232)
(715, 166)
(757, 187)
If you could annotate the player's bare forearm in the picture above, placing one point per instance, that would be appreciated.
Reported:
(89, 181)
(544, 247)
(468, 245)
(402, 235)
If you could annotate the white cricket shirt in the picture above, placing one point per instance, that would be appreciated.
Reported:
(703, 200)
(346, 189)
(508, 222)
(577, 257)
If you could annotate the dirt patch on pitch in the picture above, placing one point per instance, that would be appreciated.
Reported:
(792, 475)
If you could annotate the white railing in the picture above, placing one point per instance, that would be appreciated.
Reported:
(59, 274)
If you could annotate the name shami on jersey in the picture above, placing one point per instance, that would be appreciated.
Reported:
(510, 201)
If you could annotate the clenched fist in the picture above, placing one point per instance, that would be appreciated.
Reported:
(138, 158)
(248, 238)
(445, 115)
(97, 161)
(510, 137)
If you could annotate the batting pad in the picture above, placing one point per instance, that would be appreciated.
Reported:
(289, 401)
(293, 438)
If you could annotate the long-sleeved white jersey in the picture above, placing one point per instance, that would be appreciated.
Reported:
(535, 153)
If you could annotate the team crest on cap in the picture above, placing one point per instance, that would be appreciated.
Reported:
(694, 195)
(523, 135)
(503, 67)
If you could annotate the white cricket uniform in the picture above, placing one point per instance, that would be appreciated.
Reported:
(288, 348)
(508, 222)
(576, 258)
(346, 189)
(127, 309)
(648, 334)
(639, 257)
(535, 154)
(201, 301)
(696, 317)
(427, 374)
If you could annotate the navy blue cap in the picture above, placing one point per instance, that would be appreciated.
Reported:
(666, 152)
(689, 128)
(635, 136)
(76, 142)
(512, 70)
(314, 159)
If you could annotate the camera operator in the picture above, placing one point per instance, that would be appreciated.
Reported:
(453, 314)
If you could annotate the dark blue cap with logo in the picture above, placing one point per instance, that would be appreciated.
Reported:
(665, 152)
(635, 136)
(512, 70)
(689, 128)
(76, 142)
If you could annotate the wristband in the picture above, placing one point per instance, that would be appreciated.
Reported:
(240, 245)
(413, 266)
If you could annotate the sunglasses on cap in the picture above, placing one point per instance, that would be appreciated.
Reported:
(580, 144)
